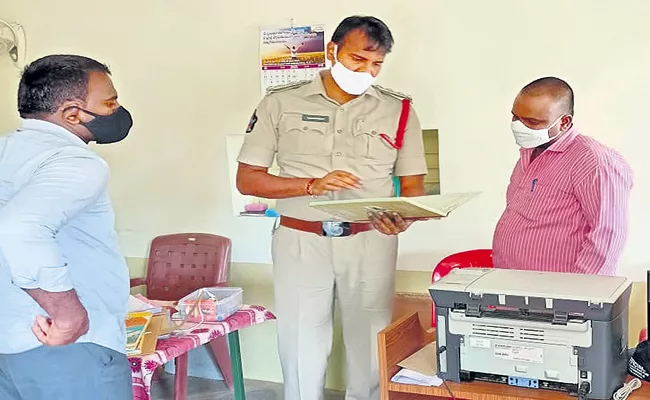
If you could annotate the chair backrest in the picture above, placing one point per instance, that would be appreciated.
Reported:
(480, 258)
(182, 263)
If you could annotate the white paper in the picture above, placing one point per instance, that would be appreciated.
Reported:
(408, 377)
(445, 203)
(356, 210)
(137, 305)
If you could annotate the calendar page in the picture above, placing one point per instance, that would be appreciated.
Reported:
(291, 54)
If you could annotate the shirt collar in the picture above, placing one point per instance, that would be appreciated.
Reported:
(564, 141)
(558, 146)
(316, 87)
(51, 128)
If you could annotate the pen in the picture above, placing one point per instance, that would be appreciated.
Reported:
(532, 187)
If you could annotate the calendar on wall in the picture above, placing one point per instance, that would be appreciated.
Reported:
(291, 54)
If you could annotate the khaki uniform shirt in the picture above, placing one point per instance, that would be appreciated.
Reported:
(312, 135)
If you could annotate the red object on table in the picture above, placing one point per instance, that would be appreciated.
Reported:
(480, 258)
(180, 264)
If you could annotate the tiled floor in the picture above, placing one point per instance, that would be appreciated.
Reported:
(207, 389)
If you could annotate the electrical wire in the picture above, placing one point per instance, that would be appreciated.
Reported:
(624, 392)
(441, 350)
(20, 40)
(195, 307)
(14, 33)
(451, 394)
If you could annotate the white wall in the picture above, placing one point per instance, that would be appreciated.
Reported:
(188, 72)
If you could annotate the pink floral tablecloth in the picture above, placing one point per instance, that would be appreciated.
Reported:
(143, 367)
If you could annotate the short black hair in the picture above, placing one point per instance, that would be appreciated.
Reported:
(50, 81)
(376, 30)
(552, 86)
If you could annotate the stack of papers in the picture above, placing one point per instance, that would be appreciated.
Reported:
(420, 368)
(147, 321)
(136, 304)
(409, 377)
(136, 327)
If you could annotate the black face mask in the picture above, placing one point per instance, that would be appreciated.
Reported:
(109, 128)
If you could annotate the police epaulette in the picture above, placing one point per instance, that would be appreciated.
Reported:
(288, 86)
(391, 92)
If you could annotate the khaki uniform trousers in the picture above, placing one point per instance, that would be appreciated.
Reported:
(311, 271)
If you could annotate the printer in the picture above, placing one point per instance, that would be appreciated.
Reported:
(546, 330)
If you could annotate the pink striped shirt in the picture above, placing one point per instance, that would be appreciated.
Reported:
(567, 211)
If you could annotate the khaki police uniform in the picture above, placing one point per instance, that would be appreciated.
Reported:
(312, 135)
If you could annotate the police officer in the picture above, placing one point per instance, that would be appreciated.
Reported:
(336, 137)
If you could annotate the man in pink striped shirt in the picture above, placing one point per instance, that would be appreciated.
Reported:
(567, 201)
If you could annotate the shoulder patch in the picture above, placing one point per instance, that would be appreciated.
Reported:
(252, 122)
(393, 93)
(288, 86)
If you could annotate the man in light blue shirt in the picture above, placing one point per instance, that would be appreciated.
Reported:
(64, 284)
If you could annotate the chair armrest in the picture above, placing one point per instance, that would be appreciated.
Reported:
(137, 282)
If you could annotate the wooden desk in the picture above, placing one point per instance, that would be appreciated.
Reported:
(406, 336)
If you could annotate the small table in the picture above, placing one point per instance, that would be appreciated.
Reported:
(177, 347)
(406, 336)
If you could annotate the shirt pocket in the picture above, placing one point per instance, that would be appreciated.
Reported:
(297, 136)
(368, 140)
(536, 200)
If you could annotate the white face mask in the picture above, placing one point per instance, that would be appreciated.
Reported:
(351, 82)
(529, 138)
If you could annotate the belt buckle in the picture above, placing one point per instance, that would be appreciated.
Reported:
(336, 229)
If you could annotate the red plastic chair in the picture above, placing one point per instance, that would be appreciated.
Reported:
(178, 265)
(481, 258)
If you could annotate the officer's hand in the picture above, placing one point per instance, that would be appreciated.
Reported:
(334, 182)
(388, 223)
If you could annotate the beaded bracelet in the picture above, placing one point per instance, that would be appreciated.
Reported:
(309, 186)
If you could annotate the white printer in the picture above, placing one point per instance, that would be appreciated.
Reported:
(533, 329)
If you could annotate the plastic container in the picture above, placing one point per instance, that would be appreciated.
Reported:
(212, 304)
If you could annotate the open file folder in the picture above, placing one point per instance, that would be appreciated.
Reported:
(411, 208)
